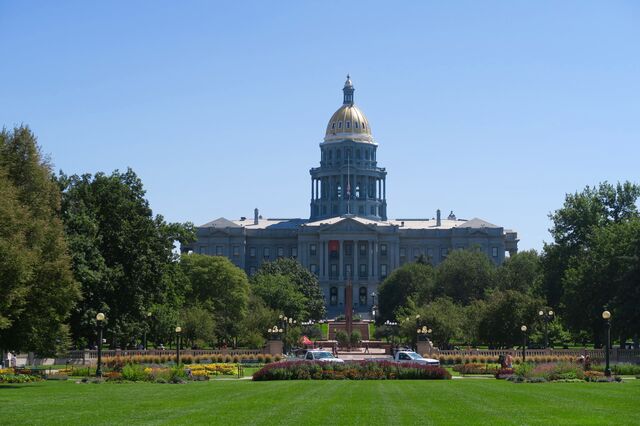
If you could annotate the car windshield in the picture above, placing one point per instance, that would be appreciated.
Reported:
(414, 355)
(321, 355)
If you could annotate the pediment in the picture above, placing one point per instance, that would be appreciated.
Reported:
(349, 225)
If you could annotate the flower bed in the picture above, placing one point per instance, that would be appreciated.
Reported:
(117, 362)
(213, 369)
(482, 359)
(19, 378)
(360, 370)
(476, 368)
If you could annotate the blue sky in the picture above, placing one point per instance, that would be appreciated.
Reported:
(489, 109)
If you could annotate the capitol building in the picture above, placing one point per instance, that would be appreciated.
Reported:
(348, 235)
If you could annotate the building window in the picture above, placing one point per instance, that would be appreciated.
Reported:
(252, 252)
(333, 296)
(363, 249)
(361, 210)
(348, 249)
(218, 250)
(347, 270)
(430, 253)
(444, 252)
(266, 252)
(333, 125)
(373, 210)
(334, 271)
(403, 252)
(312, 249)
(366, 154)
(494, 251)
(252, 270)
(383, 271)
(355, 123)
(280, 252)
(294, 252)
(416, 253)
(362, 293)
(348, 124)
(363, 126)
(363, 270)
(202, 250)
(338, 154)
(236, 251)
(339, 124)
(313, 268)
(383, 249)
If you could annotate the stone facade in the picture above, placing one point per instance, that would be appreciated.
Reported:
(348, 235)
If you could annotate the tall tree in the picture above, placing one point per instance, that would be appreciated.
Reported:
(306, 282)
(465, 275)
(221, 287)
(122, 255)
(36, 284)
(412, 280)
(521, 272)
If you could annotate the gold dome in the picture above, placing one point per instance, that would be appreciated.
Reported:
(348, 122)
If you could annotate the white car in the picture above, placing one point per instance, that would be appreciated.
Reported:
(410, 356)
(322, 356)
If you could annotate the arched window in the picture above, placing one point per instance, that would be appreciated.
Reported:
(357, 154)
(366, 154)
(333, 296)
(355, 123)
(333, 125)
(348, 124)
(363, 296)
(339, 124)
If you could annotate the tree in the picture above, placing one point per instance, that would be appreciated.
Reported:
(592, 246)
(122, 254)
(198, 327)
(441, 315)
(37, 285)
(412, 280)
(465, 275)
(254, 327)
(219, 286)
(521, 272)
(306, 282)
(505, 312)
(280, 294)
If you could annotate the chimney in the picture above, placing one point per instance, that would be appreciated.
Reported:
(255, 216)
(402, 223)
(438, 221)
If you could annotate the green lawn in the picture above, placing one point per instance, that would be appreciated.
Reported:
(242, 402)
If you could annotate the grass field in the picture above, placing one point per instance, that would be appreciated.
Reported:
(242, 402)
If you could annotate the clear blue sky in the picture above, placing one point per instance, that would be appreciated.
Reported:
(490, 109)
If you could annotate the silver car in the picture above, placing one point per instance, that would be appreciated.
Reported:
(322, 356)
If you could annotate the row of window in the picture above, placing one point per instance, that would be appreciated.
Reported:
(348, 249)
(280, 252)
(362, 296)
(367, 154)
(444, 251)
(347, 124)
(348, 271)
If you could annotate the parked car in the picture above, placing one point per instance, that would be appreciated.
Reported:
(322, 356)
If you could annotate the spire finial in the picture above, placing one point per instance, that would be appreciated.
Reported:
(348, 91)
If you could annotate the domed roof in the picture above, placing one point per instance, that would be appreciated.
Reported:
(348, 122)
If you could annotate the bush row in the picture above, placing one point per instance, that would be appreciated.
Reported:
(357, 370)
(482, 359)
(476, 368)
(19, 378)
(117, 362)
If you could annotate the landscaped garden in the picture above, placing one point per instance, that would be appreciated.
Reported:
(462, 401)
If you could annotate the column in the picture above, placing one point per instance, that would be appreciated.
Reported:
(341, 264)
(320, 247)
(375, 259)
(355, 267)
(312, 197)
(384, 188)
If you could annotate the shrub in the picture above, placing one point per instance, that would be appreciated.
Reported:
(357, 370)
(476, 368)
(134, 373)
(19, 378)
(343, 338)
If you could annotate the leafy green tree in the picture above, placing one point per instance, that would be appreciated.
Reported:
(412, 280)
(465, 275)
(122, 254)
(37, 285)
(521, 272)
(198, 327)
(280, 294)
(505, 312)
(254, 327)
(574, 224)
(306, 282)
(221, 287)
(441, 315)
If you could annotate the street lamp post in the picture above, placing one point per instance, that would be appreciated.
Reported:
(606, 315)
(417, 333)
(178, 331)
(145, 331)
(100, 321)
(392, 328)
(524, 343)
(546, 316)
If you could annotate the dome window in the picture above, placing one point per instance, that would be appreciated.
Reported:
(355, 123)
(363, 126)
(348, 124)
(333, 125)
(339, 124)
